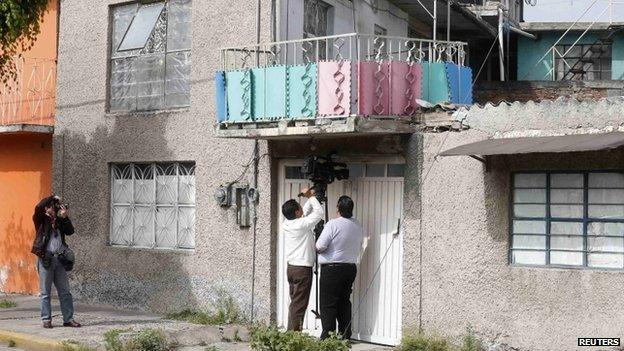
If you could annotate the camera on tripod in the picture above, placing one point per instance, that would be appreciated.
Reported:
(323, 170)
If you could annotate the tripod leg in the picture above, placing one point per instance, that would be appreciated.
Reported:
(316, 311)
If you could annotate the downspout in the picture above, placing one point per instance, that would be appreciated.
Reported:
(435, 27)
(256, 153)
(501, 47)
(523, 33)
(448, 20)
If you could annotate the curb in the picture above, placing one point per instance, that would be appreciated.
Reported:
(31, 342)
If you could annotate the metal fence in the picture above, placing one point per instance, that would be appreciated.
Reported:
(31, 97)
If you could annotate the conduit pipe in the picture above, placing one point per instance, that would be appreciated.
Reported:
(256, 156)
(523, 33)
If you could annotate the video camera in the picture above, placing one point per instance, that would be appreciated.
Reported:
(323, 170)
(58, 205)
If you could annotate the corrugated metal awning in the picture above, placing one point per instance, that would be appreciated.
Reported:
(528, 145)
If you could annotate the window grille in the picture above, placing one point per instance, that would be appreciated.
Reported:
(150, 56)
(153, 205)
(315, 24)
(583, 62)
(568, 219)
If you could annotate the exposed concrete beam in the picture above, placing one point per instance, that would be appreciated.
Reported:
(483, 24)
(562, 26)
(26, 128)
(321, 127)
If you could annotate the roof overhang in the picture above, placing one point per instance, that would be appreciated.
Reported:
(465, 24)
(562, 26)
(26, 128)
(549, 144)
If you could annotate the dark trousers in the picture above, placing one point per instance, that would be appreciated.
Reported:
(336, 286)
(300, 283)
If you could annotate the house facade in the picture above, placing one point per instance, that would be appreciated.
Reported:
(155, 153)
(27, 110)
(580, 41)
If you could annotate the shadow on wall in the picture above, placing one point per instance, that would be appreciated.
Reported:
(18, 272)
(495, 195)
(160, 281)
(25, 171)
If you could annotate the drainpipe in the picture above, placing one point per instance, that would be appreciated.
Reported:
(501, 50)
(448, 20)
(256, 153)
(435, 27)
(523, 33)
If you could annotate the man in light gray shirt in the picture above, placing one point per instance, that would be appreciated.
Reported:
(339, 250)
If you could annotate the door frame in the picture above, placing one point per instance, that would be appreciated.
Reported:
(282, 306)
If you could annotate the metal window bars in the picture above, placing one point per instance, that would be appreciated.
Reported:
(31, 97)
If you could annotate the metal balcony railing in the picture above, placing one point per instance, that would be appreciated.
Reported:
(355, 47)
(340, 75)
(31, 97)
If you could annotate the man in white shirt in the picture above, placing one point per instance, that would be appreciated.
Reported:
(339, 250)
(298, 232)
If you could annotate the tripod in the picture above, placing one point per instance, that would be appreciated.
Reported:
(321, 195)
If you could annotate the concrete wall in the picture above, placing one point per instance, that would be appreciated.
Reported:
(87, 139)
(523, 91)
(25, 178)
(466, 277)
(530, 67)
(341, 18)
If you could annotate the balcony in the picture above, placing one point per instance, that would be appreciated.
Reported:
(337, 85)
(27, 103)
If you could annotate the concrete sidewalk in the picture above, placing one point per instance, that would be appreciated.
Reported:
(23, 325)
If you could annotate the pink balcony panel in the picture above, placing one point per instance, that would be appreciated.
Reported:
(334, 88)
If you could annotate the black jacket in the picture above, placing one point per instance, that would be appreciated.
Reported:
(43, 227)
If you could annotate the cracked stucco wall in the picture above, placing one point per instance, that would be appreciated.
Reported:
(465, 272)
(87, 139)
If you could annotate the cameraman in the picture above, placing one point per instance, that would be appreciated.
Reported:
(298, 234)
(52, 224)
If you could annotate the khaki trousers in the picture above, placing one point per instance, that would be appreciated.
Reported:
(300, 282)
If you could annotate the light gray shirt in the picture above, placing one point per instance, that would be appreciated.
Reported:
(55, 243)
(340, 242)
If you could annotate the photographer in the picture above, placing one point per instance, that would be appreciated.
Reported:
(298, 234)
(52, 224)
(339, 250)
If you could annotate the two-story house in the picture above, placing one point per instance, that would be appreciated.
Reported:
(182, 126)
(27, 110)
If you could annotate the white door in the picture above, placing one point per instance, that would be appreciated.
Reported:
(376, 187)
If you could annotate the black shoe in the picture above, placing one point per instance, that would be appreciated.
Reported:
(72, 324)
(47, 324)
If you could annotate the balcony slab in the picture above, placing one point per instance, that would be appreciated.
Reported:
(26, 128)
(320, 127)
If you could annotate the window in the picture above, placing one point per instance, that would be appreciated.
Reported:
(315, 24)
(572, 219)
(153, 205)
(357, 170)
(583, 62)
(150, 56)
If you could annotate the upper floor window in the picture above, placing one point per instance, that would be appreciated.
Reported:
(315, 24)
(572, 219)
(153, 205)
(150, 56)
(583, 62)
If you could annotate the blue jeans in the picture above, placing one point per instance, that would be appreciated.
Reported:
(55, 274)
